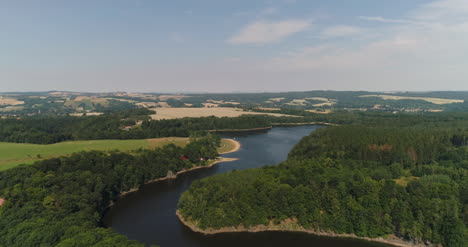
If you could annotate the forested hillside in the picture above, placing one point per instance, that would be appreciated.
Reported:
(410, 181)
(136, 124)
(60, 202)
(133, 124)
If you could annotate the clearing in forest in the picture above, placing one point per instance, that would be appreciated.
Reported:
(404, 181)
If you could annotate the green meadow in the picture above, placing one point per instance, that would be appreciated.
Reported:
(14, 154)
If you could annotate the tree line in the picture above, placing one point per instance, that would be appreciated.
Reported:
(53, 129)
(136, 124)
(60, 202)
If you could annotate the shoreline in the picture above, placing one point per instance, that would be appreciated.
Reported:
(300, 124)
(174, 176)
(241, 130)
(293, 227)
(275, 125)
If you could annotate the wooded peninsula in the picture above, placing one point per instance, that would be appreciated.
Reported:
(403, 181)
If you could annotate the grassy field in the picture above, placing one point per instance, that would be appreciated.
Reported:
(13, 154)
(172, 113)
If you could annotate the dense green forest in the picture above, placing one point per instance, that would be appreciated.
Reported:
(376, 174)
(49, 129)
(52, 129)
(402, 178)
(60, 202)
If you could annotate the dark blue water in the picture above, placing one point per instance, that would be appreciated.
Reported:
(148, 215)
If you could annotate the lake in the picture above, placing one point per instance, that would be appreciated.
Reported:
(148, 215)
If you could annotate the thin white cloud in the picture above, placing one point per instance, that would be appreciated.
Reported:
(429, 53)
(386, 20)
(341, 31)
(264, 32)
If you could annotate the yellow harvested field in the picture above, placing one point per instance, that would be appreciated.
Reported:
(223, 102)
(276, 99)
(147, 104)
(92, 99)
(210, 105)
(269, 109)
(86, 114)
(83, 99)
(297, 102)
(319, 98)
(166, 97)
(10, 101)
(138, 95)
(325, 104)
(123, 100)
(11, 108)
(319, 111)
(173, 113)
(437, 101)
(164, 104)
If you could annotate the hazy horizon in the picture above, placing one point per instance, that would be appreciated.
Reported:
(212, 46)
(232, 92)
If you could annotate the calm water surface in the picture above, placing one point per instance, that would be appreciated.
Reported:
(148, 215)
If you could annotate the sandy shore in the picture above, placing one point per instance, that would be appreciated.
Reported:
(292, 226)
(236, 145)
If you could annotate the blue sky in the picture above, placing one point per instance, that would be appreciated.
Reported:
(225, 46)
